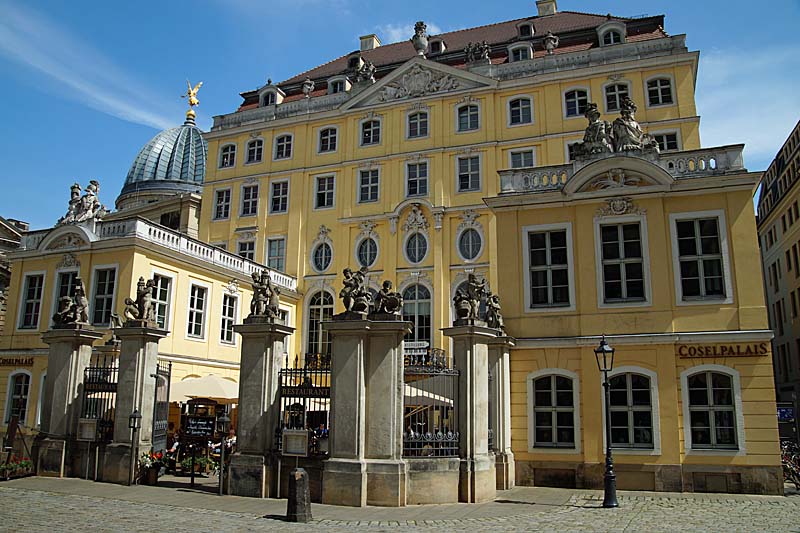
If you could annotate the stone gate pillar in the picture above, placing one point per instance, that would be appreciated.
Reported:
(477, 478)
(499, 355)
(366, 464)
(251, 468)
(136, 389)
(70, 354)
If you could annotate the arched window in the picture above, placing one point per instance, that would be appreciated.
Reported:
(631, 411)
(614, 94)
(575, 102)
(521, 53)
(554, 418)
(322, 256)
(612, 37)
(417, 125)
(227, 156)
(712, 410)
(255, 151)
(659, 91)
(320, 308)
(367, 252)
(370, 132)
(19, 384)
(417, 310)
(468, 117)
(283, 147)
(470, 244)
(327, 140)
(269, 98)
(416, 247)
(520, 111)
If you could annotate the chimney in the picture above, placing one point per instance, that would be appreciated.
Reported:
(369, 42)
(546, 7)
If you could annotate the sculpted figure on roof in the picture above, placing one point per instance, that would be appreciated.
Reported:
(550, 42)
(597, 137)
(83, 208)
(366, 72)
(628, 134)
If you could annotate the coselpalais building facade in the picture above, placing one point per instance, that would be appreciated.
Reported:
(449, 155)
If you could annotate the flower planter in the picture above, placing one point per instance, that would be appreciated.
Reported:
(150, 476)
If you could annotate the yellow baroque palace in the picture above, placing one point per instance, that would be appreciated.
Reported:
(449, 155)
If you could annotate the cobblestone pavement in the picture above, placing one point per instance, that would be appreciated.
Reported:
(24, 509)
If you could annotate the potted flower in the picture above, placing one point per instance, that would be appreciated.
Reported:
(150, 464)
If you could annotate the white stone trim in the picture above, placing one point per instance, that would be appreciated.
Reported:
(247, 149)
(276, 138)
(468, 101)
(322, 238)
(576, 403)
(319, 138)
(9, 391)
(206, 308)
(360, 131)
(413, 111)
(726, 267)
(93, 289)
(661, 75)
(737, 405)
(236, 318)
(598, 255)
(654, 406)
(521, 96)
(585, 88)
(526, 273)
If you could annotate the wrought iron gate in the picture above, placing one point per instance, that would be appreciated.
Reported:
(161, 405)
(100, 395)
(305, 393)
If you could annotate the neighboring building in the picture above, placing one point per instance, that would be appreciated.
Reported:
(779, 237)
(10, 235)
(387, 158)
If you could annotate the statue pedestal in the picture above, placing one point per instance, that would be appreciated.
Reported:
(70, 354)
(366, 465)
(477, 478)
(500, 392)
(251, 471)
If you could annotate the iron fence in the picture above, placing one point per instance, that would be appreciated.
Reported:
(100, 394)
(161, 405)
(430, 393)
(305, 392)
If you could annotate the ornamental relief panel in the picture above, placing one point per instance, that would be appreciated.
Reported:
(619, 206)
(418, 81)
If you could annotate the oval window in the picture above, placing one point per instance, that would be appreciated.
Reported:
(469, 244)
(367, 252)
(416, 247)
(322, 257)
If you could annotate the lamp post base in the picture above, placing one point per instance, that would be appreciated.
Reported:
(610, 484)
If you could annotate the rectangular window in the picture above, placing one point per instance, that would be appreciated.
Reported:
(327, 139)
(370, 132)
(255, 150)
(417, 179)
(553, 412)
(667, 142)
(249, 200)
(18, 389)
(32, 301)
(104, 295)
(276, 254)
(659, 91)
(197, 312)
(795, 259)
(622, 263)
(161, 297)
(712, 413)
(520, 54)
(325, 189)
(283, 147)
(247, 249)
(228, 319)
(280, 197)
(549, 269)
(222, 204)
(368, 185)
(469, 173)
(418, 125)
(522, 159)
(700, 259)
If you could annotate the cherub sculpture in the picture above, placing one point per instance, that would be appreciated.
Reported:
(354, 294)
(73, 309)
(143, 308)
(387, 301)
(494, 319)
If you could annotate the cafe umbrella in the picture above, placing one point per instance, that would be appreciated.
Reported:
(213, 387)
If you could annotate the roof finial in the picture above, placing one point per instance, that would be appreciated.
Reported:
(191, 94)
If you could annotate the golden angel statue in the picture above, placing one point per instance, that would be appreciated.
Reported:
(191, 94)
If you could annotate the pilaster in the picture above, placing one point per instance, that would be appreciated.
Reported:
(499, 363)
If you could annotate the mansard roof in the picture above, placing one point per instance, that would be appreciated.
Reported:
(576, 31)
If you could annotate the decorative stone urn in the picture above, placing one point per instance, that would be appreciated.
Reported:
(420, 38)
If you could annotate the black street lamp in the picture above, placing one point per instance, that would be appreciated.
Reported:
(223, 422)
(134, 423)
(605, 363)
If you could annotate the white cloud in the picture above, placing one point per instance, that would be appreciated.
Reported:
(393, 33)
(749, 96)
(76, 70)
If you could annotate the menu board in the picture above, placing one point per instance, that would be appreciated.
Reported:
(199, 426)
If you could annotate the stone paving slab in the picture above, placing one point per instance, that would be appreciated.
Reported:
(37, 504)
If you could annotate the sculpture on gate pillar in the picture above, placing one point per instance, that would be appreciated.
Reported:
(266, 297)
(494, 319)
(354, 294)
(388, 301)
(143, 309)
(73, 309)
(467, 302)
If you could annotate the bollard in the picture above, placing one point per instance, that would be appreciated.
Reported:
(298, 507)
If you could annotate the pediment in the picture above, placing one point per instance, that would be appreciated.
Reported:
(67, 238)
(418, 78)
(618, 175)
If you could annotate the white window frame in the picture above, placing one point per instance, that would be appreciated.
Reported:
(531, 149)
(358, 185)
(611, 84)
(654, 406)
(235, 154)
(427, 177)
(737, 405)
(247, 151)
(458, 189)
(95, 269)
(520, 46)
(678, 138)
(283, 238)
(408, 124)
(57, 285)
(319, 139)
(236, 314)
(316, 191)
(673, 90)
(216, 203)
(242, 200)
(726, 262)
(206, 307)
(291, 147)
(381, 131)
(173, 276)
(610, 30)
(358, 242)
(526, 263)
(9, 392)
(276, 97)
(21, 307)
(336, 79)
(239, 243)
(271, 195)
(313, 253)
(513, 98)
(598, 254)
(458, 108)
(588, 92)
(427, 247)
(479, 229)
(576, 402)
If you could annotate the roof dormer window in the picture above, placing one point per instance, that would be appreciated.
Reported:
(612, 37)
(525, 30)
(270, 95)
(338, 84)
(436, 47)
(520, 52)
(269, 99)
(611, 32)
(355, 61)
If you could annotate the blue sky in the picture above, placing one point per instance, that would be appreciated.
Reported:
(84, 84)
